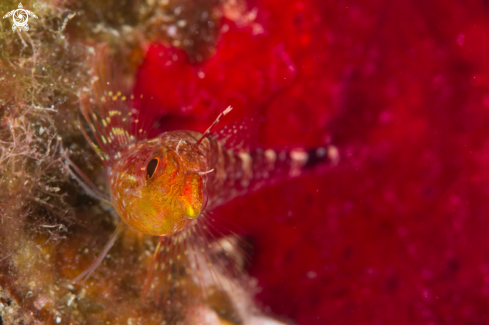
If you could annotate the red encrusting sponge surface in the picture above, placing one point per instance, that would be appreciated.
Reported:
(398, 233)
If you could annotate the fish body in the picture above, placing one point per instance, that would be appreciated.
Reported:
(159, 186)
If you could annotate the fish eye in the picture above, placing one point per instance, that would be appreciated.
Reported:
(151, 168)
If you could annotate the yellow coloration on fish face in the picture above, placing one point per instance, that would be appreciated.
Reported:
(156, 188)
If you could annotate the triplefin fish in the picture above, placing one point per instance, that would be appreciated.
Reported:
(167, 186)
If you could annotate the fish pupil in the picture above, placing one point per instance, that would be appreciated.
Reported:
(151, 168)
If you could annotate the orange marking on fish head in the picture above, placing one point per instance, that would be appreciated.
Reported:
(157, 190)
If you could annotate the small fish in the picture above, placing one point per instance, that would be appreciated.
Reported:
(168, 186)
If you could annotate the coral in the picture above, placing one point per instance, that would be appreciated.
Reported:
(397, 233)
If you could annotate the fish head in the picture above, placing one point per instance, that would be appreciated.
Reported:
(158, 189)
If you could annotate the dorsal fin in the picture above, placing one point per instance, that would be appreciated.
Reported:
(240, 135)
(108, 110)
(209, 130)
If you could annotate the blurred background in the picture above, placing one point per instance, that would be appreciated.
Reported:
(397, 233)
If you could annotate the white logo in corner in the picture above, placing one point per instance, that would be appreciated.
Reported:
(20, 17)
